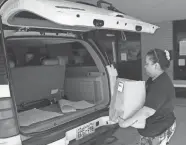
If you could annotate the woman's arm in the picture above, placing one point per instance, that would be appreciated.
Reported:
(141, 115)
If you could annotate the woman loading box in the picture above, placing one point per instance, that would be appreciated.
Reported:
(157, 114)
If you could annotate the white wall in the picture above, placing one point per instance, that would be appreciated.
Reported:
(162, 39)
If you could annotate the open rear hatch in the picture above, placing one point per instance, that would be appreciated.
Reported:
(70, 16)
(65, 15)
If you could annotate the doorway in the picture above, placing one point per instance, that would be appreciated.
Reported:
(129, 64)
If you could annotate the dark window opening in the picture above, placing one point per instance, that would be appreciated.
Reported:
(125, 55)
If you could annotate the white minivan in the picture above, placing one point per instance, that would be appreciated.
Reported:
(56, 79)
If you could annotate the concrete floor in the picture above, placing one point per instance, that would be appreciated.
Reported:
(129, 136)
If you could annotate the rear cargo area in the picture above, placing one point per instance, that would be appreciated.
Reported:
(62, 84)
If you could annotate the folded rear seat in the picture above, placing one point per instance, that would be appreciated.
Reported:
(32, 83)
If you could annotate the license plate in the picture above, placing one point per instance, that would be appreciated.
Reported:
(85, 130)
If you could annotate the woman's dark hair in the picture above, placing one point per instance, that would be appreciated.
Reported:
(160, 56)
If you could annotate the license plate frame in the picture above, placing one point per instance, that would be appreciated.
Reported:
(85, 130)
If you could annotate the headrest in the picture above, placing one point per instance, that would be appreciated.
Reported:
(62, 60)
(78, 60)
(50, 62)
(11, 64)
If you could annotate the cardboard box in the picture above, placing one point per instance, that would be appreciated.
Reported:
(129, 96)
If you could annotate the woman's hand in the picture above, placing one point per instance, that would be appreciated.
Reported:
(125, 123)
(141, 115)
(136, 124)
(140, 124)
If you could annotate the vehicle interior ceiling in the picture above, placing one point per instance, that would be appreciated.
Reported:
(53, 79)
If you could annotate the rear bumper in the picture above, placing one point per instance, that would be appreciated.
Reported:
(71, 134)
(66, 133)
